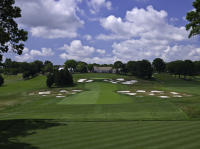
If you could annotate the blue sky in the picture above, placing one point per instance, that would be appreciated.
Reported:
(104, 31)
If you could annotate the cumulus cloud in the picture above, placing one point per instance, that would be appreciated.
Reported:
(87, 37)
(146, 49)
(100, 51)
(76, 50)
(50, 18)
(29, 55)
(96, 5)
(142, 23)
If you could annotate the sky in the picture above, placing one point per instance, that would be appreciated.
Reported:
(105, 31)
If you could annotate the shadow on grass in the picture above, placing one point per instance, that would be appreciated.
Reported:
(11, 129)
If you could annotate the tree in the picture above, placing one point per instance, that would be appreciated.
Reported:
(10, 35)
(132, 67)
(50, 80)
(71, 64)
(159, 65)
(1, 80)
(144, 69)
(39, 65)
(90, 67)
(189, 68)
(81, 67)
(63, 78)
(194, 19)
(48, 67)
(118, 65)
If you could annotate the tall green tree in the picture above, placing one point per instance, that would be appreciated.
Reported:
(194, 19)
(71, 64)
(10, 34)
(118, 65)
(1, 80)
(159, 65)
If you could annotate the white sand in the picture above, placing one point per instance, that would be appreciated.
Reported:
(73, 93)
(157, 91)
(174, 93)
(44, 93)
(130, 82)
(81, 80)
(164, 96)
(113, 82)
(179, 96)
(60, 96)
(63, 91)
(151, 94)
(120, 79)
(131, 94)
(123, 91)
(88, 81)
(105, 80)
(140, 91)
(77, 90)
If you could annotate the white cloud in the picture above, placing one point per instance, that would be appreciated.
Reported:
(29, 55)
(100, 51)
(50, 18)
(96, 5)
(76, 50)
(87, 37)
(142, 23)
(149, 49)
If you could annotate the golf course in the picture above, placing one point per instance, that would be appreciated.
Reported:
(100, 113)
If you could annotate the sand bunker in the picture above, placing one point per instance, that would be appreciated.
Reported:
(120, 79)
(60, 96)
(88, 81)
(113, 82)
(63, 91)
(81, 80)
(140, 91)
(131, 94)
(130, 82)
(44, 93)
(179, 96)
(174, 93)
(77, 90)
(151, 94)
(164, 96)
(157, 91)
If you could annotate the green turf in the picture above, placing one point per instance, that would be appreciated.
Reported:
(99, 118)
(48, 134)
(98, 93)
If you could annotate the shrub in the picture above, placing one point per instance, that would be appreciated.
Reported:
(26, 75)
(1, 80)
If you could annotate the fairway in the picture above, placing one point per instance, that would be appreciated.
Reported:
(99, 117)
(98, 93)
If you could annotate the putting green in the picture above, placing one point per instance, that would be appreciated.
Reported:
(98, 93)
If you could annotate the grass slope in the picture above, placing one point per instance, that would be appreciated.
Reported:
(35, 122)
(48, 134)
